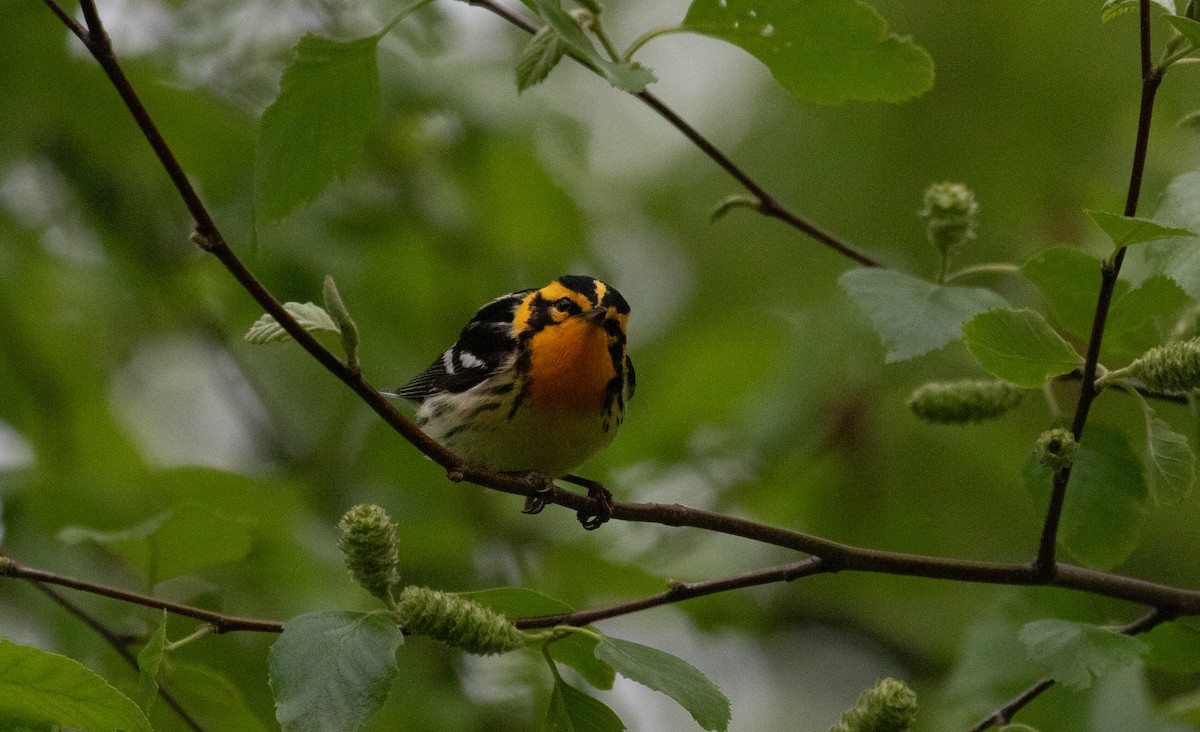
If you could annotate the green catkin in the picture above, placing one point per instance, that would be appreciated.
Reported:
(889, 706)
(1174, 367)
(949, 211)
(367, 538)
(961, 402)
(1056, 448)
(457, 621)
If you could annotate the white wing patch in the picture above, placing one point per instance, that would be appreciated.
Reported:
(469, 360)
(448, 361)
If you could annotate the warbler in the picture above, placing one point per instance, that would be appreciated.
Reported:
(536, 383)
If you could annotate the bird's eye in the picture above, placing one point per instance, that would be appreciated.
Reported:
(565, 304)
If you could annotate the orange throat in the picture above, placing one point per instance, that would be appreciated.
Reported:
(570, 367)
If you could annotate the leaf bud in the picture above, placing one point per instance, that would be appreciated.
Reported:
(889, 706)
(961, 402)
(1056, 448)
(949, 212)
(1174, 367)
(457, 621)
(368, 541)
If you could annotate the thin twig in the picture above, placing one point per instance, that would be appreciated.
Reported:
(1004, 714)
(1110, 270)
(768, 205)
(119, 645)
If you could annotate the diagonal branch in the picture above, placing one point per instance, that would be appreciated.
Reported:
(1109, 271)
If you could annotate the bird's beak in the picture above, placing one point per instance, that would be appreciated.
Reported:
(596, 315)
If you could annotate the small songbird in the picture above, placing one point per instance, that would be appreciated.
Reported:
(537, 383)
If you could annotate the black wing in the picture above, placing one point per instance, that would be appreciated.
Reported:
(483, 346)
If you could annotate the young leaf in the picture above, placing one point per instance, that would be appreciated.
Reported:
(1106, 497)
(315, 129)
(40, 690)
(912, 316)
(1115, 8)
(312, 318)
(332, 670)
(539, 57)
(630, 77)
(824, 51)
(670, 675)
(183, 540)
(1170, 463)
(1179, 257)
(573, 711)
(148, 661)
(1188, 28)
(337, 311)
(1074, 654)
(1069, 280)
(1019, 346)
(1129, 230)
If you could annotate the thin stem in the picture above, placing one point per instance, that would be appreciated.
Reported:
(203, 631)
(605, 41)
(401, 16)
(120, 645)
(1045, 561)
(768, 205)
(648, 36)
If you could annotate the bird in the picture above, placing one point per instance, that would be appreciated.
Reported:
(537, 383)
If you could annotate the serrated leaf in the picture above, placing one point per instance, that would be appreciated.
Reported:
(539, 57)
(148, 661)
(912, 316)
(1174, 647)
(670, 675)
(1019, 346)
(824, 51)
(312, 318)
(1170, 463)
(315, 129)
(1116, 8)
(39, 690)
(1178, 257)
(332, 670)
(1188, 28)
(185, 539)
(1134, 319)
(573, 711)
(630, 77)
(1126, 231)
(1106, 497)
(1075, 654)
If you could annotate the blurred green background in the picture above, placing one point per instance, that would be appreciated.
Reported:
(126, 388)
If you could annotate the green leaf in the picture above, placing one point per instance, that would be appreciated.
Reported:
(1070, 281)
(824, 51)
(1115, 8)
(148, 661)
(215, 701)
(1019, 346)
(578, 651)
(186, 539)
(1188, 28)
(539, 57)
(336, 311)
(573, 711)
(41, 690)
(1170, 463)
(1106, 496)
(1129, 230)
(332, 670)
(1075, 654)
(1174, 647)
(312, 318)
(670, 675)
(630, 77)
(1179, 257)
(1135, 319)
(315, 129)
(912, 316)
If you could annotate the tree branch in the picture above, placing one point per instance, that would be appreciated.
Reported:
(1109, 271)
(119, 645)
(768, 205)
